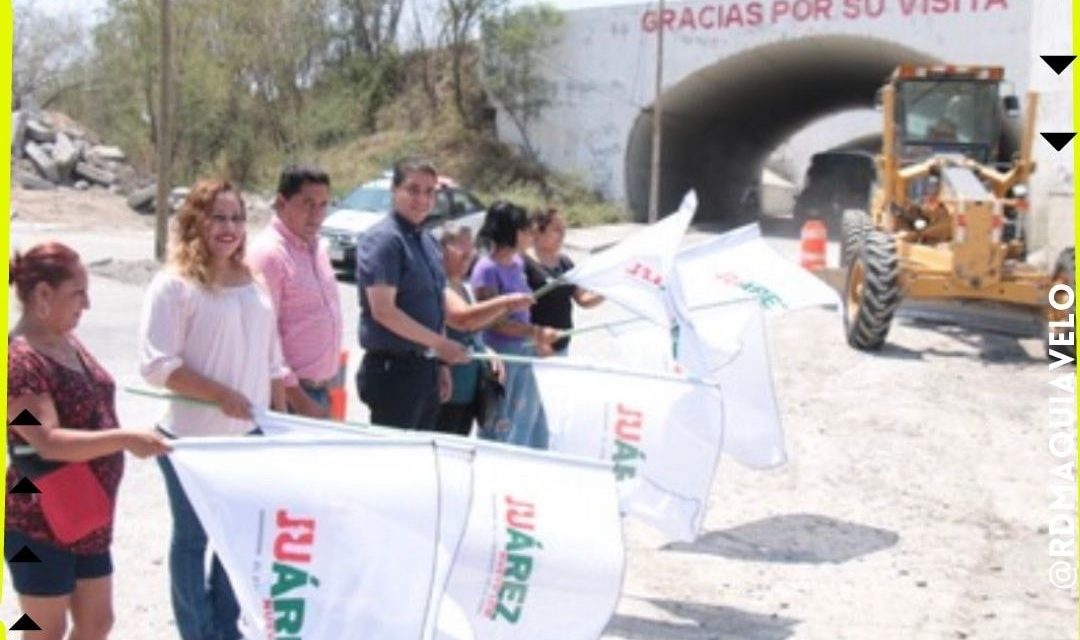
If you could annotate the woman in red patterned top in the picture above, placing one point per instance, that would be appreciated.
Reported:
(54, 378)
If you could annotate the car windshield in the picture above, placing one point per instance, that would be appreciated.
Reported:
(367, 199)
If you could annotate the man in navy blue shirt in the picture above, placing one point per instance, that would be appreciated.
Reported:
(401, 280)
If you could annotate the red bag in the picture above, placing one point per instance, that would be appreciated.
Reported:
(73, 502)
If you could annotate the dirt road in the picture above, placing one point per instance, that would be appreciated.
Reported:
(915, 505)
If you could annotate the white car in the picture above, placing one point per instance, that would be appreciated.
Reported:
(369, 202)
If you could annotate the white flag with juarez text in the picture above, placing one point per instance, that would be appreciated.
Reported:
(320, 538)
(724, 342)
(321, 533)
(740, 264)
(662, 434)
(542, 555)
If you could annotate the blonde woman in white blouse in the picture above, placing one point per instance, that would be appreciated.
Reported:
(208, 332)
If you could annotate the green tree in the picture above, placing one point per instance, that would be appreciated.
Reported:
(514, 42)
(244, 70)
(44, 49)
(460, 19)
(262, 81)
(366, 27)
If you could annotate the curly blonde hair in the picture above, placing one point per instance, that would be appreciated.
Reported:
(190, 255)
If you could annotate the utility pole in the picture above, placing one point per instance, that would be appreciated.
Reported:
(164, 136)
(654, 167)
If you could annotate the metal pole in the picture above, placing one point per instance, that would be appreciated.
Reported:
(654, 168)
(164, 137)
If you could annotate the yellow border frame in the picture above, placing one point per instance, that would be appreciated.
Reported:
(1076, 218)
(7, 27)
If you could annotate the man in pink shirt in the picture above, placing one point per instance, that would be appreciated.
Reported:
(298, 273)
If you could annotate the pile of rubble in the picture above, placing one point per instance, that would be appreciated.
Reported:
(49, 149)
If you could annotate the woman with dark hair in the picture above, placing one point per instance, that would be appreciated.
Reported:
(208, 332)
(464, 318)
(548, 263)
(54, 379)
(520, 417)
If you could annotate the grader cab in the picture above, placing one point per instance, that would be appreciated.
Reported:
(946, 219)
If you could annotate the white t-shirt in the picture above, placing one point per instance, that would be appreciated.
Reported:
(227, 334)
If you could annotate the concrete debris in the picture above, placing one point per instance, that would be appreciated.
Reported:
(105, 153)
(49, 150)
(38, 131)
(142, 199)
(32, 181)
(66, 154)
(65, 151)
(18, 133)
(95, 174)
(43, 162)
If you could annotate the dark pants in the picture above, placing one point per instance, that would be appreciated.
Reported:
(456, 418)
(401, 391)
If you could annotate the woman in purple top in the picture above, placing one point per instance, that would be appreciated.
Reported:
(520, 416)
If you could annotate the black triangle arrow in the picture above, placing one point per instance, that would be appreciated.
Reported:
(24, 555)
(25, 419)
(25, 486)
(25, 623)
(1059, 139)
(1058, 63)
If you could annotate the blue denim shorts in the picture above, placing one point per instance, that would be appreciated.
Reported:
(58, 570)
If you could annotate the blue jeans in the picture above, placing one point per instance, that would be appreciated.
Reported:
(321, 396)
(203, 611)
(520, 417)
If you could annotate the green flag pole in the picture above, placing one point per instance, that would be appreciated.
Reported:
(443, 439)
(168, 395)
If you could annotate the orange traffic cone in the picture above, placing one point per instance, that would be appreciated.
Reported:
(812, 245)
(337, 389)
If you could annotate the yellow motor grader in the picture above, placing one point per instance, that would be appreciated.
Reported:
(945, 220)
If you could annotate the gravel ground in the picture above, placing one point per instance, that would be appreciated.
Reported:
(915, 505)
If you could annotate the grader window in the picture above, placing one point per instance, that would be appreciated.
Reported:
(949, 113)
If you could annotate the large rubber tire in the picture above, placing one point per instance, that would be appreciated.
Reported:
(872, 293)
(1064, 273)
(854, 225)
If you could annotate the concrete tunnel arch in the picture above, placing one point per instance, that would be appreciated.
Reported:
(720, 124)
